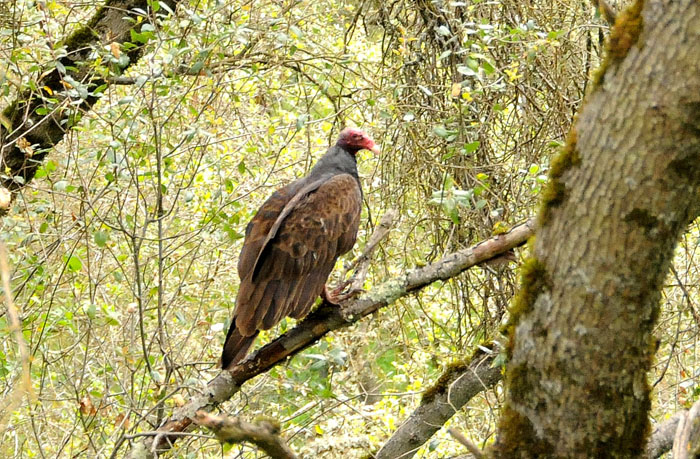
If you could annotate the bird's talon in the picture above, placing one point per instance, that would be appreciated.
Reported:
(337, 295)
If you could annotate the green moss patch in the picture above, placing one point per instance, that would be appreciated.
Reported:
(534, 280)
(451, 373)
(555, 193)
(624, 34)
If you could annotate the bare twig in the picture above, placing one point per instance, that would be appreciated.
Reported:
(13, 400)
(362, 262)
(263, 434)
(459, 436)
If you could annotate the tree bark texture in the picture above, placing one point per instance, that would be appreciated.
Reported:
(661, 439)
(317, 324)
(620, 195)
(458, 385)
(264, 434)
(23, 127)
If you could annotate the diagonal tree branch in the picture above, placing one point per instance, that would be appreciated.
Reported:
(323, 320)
(459, 384)
(27, 134)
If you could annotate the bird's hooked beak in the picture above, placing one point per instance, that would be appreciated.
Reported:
(374, 148)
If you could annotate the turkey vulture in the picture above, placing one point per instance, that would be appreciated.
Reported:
(292, 243)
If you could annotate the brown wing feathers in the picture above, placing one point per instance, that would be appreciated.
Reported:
(290, 249)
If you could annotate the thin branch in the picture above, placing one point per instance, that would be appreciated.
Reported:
(12, 401)
(361, 264)
(686, 443)
(459, 436)
(263, 434)
(661, 439)
(327, 318)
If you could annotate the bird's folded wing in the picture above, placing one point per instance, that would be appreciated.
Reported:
(317, 225)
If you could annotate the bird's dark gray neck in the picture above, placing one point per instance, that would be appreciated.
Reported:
(336, 161)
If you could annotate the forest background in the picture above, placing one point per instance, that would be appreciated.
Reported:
(122, 240)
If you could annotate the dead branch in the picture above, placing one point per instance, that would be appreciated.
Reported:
(459, 436)
(14, 398)
(661, 439)
(686, 443)
(263, 434)
(459, 384)
(327, 318)
(362, 262)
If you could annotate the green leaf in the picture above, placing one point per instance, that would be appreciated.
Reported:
(101, 238)
(112, 317)
(91, 311)
(74, 264)
(444, 31)
(440, 131)
(166, 7)
(464, 70)
(471, 147)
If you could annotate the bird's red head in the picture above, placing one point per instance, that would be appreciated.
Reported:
(353, 140)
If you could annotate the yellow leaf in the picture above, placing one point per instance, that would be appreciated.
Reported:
(47, 89)
(318, 429)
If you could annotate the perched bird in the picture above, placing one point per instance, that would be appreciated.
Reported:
(292, 243)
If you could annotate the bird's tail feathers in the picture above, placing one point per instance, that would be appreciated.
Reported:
(236, 346)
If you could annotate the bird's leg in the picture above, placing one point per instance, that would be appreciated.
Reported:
(336, 295)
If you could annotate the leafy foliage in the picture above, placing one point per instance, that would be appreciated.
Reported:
(124, 246)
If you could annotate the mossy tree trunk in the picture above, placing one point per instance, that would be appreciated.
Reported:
(621, 194)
